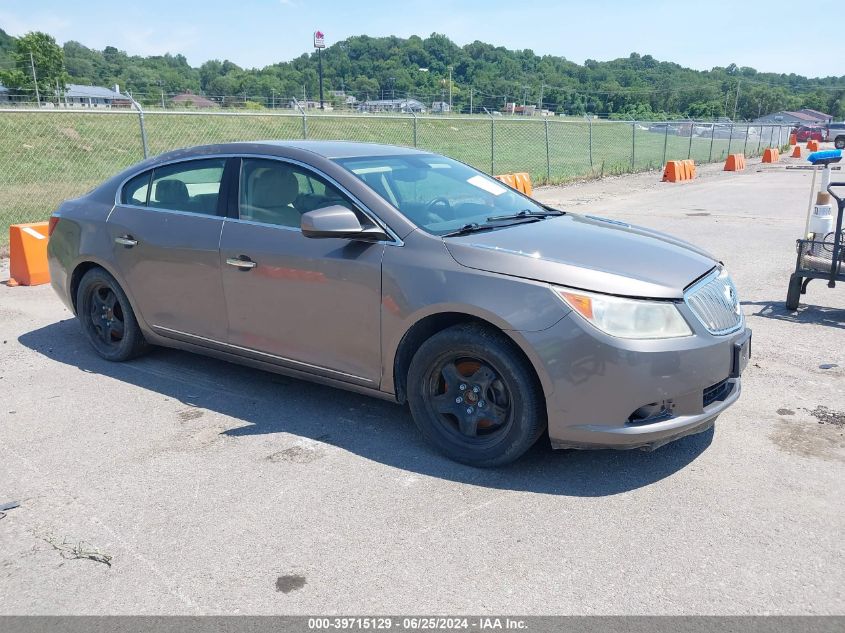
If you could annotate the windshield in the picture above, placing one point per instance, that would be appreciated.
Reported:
(437, 193)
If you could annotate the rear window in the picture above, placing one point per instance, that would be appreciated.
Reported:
(135, 191)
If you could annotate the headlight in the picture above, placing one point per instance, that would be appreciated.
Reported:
(627, 318)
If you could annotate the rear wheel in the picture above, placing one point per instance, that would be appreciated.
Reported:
(793, 294)
(473, 396)
(106, 317)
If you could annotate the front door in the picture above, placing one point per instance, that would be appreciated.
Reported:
(309, 304)
(166, 235)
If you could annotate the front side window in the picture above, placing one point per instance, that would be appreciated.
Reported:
(192, 186)
(437, 193)
(275, 192)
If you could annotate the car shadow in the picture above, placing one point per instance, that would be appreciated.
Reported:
(819, 315)
(267, 403)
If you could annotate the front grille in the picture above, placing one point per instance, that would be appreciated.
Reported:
(715, 302)
(716, 392)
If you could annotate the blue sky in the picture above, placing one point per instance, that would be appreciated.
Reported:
(255, 33)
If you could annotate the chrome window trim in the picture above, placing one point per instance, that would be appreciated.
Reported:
(161, 328)
(395, 240)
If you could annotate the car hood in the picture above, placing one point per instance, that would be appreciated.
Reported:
(589, 253)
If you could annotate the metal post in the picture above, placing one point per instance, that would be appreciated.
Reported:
(730, 139)
(759, 139)
(745, 145)
(633, 144)
(548, 155)
(137, 106)
(665, 141)
(591, 142)
(415, 127)
(691, 129)
(304, 119)
(712, 136)
(492, 145)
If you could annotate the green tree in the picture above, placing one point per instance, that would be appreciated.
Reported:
(41, 51)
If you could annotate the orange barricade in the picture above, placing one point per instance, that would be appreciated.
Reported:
(28, 254)
(796, 152)
(523, 181)
(690, 167)
(508, 179)
(812, 146)
(793, 139)
(735, 162)
(771, 155)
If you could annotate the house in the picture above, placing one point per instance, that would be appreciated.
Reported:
(4, 94)
(392, 105)
(190, 100)
(805, 116)
(79, 96)
(520, 110)
(441, 107)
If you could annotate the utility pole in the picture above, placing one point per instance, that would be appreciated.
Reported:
(470, 100)
(450, 90)
(34, 79)
(272, 98)
(736, 100)
(162, 98)
(540, 102)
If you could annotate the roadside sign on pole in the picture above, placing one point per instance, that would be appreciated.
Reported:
(319, 39)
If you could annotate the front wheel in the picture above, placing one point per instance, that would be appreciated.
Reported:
(839, 142)
(793, 294)
(106, 317)
(475, 397)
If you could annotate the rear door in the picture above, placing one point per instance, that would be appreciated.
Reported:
(166, 236)
(309, 304)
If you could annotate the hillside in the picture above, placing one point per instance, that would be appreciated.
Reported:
(637, 86)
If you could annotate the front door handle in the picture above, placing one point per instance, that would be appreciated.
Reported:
(243, 264)
(126, 240)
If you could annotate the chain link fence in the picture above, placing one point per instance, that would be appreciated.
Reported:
(47, 156)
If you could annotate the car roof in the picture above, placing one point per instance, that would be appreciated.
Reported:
(324, 149)
(345, 149)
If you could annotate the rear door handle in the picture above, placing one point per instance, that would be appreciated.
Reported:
(243, 264)
(126, 240)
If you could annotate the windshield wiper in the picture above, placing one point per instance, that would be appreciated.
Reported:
(525, 213)
(469, 228)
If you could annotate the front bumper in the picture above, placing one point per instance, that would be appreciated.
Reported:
(599, 383)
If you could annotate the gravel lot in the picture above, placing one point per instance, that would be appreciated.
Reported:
(177, 484)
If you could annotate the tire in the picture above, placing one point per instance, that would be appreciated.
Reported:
(793, 294)
(839, 142)
(475, 397)
(106, 317)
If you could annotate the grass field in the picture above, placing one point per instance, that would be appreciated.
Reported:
(48, 156)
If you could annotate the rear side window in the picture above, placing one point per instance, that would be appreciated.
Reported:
(135, 191)
(192, 186)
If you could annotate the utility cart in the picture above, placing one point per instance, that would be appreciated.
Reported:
(821, 252)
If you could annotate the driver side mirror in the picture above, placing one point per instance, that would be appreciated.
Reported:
(339, 222)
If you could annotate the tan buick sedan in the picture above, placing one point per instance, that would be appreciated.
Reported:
(412, 277)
